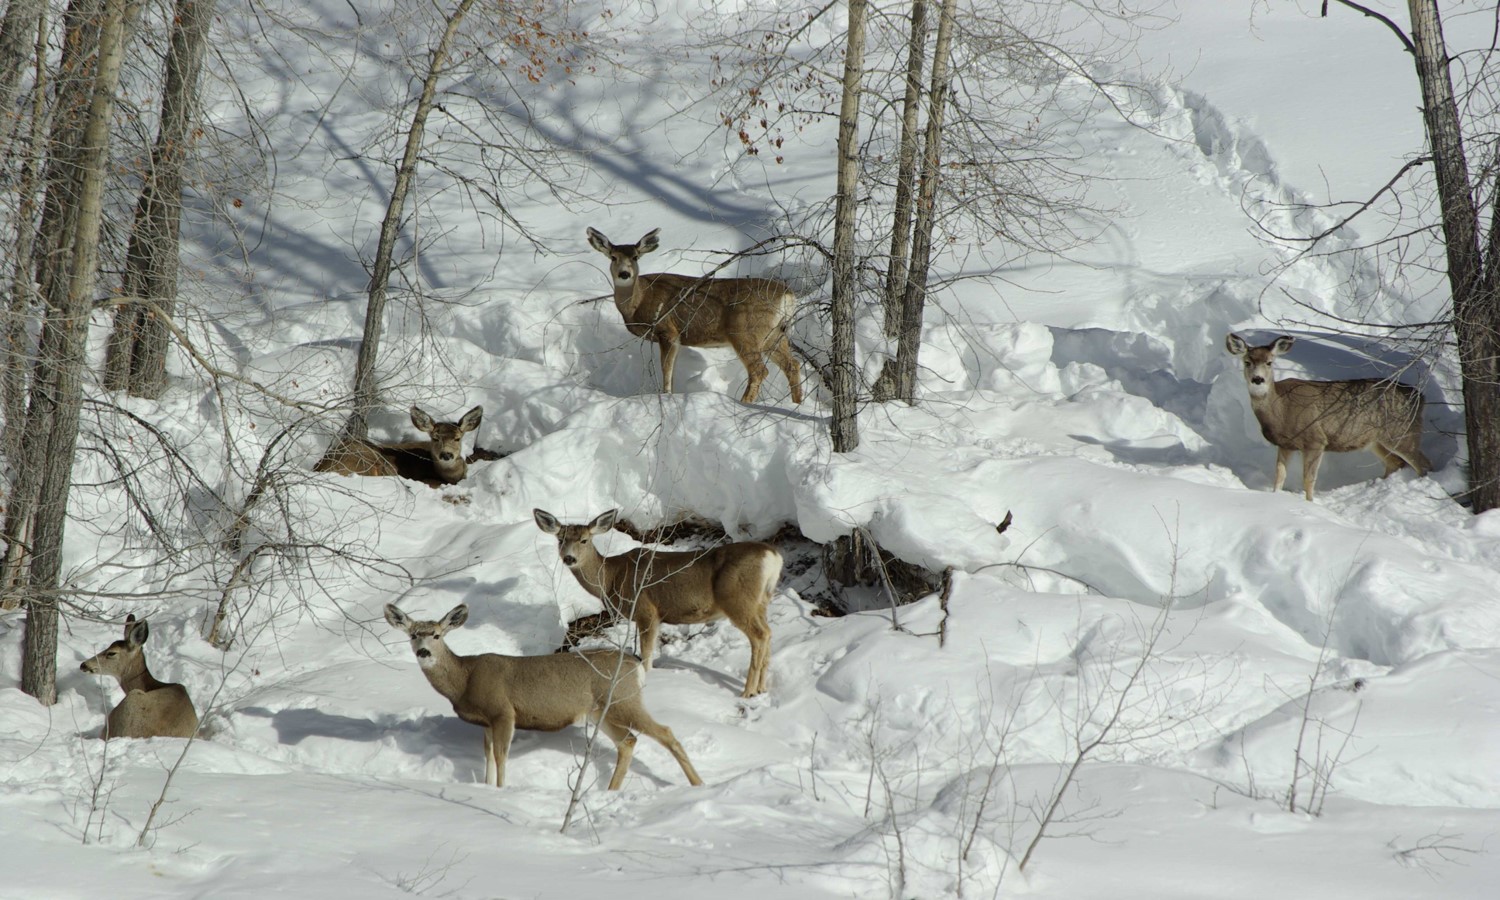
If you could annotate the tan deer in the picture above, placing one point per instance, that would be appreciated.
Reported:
(436, 461)
(749, 314)
(538, 693)
(151, 708)
(683, 587)
(1311, 417)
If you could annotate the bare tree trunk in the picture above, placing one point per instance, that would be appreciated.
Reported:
(75, 192)
(914, 300)
(844, 369)
(15, 342)
(906, 169)
(137, 358)
(366, 387)
(1475, 311)
(17, 43)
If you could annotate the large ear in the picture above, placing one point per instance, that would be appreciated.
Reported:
(648, 242)
(398, 619)
(455, 617)
(470, 421)
(1235, 344)
(422, 420)
(136, 633)
(604, 522)
(546, 521)
(598, 241)
(1282, 344)
(129, 623)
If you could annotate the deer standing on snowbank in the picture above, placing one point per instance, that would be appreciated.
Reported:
(678, 587)
(749, 314)
(435, 461)
(538, 693)
(1313, 416)
(151, 708)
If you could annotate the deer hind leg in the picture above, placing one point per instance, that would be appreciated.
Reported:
(1283, 455)
(630, 715)
(781, 354)
(497, 740)
(754, 361)
(758, 630)
(1389, 457)
(1311, 459)
(647, 627)
(1408, 450)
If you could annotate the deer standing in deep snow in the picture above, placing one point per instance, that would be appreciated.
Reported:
(677, 587)
(437, 460)
(749, 314)
(538, 693)
(151, 708)
(1311, 417)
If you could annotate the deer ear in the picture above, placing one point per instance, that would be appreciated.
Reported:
(648, 242)
(598, 241)
(136, 633)
(604, 521)
(546, 521)
(455, 617)
(421, 419)
(470, 421)
(1282, 345)
(1235, 344)
(129, 623)
(398, 619)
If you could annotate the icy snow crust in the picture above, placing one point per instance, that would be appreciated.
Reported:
(1089, 398)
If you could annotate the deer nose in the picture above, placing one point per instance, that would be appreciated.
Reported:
(569, 559)
(85, 666)
(445, 457)
(423, 653)
(1257, 380)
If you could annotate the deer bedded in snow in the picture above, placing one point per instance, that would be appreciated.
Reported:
(750, 315)
(676, 587)
(1312, 417)
(151, 708)
(538, 693)
(437, 460)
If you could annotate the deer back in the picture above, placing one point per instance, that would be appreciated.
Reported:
(688, 587)
(1338, 415)
(546, 693)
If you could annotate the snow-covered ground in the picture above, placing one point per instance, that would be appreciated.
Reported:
(1149, 581)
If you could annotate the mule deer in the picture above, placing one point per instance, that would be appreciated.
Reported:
(151, 708)
(435, 461)
(538, 693)
(683, 587)
(1313, 416)
(749, 314)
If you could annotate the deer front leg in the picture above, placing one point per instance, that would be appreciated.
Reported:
(1282, 456)
(1311, 459)
(498, 737)
(647, 625)
(667, 345)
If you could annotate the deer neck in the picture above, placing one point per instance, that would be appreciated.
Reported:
(447, 672)
(452, 472)
(137, 677)
(628, 299)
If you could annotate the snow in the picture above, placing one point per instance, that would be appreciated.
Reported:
(1149, 579)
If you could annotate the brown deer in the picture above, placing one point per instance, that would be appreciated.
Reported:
(749, 314)
(436, 461)
(151, 708)
(683, 587)
(1313, 416)
(538, 693)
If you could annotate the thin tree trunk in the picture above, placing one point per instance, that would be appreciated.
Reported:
(906, 169)
(76, 172)
(366, 387)
(914, 301)
(1476, 313)
(137, 358)
(844, 369)
(17, 45)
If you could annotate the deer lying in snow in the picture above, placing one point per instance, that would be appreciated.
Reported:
(151, 708)
(437, 460)
(749, 314)
(678, 587)
(1311, 417)
(538, 693)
